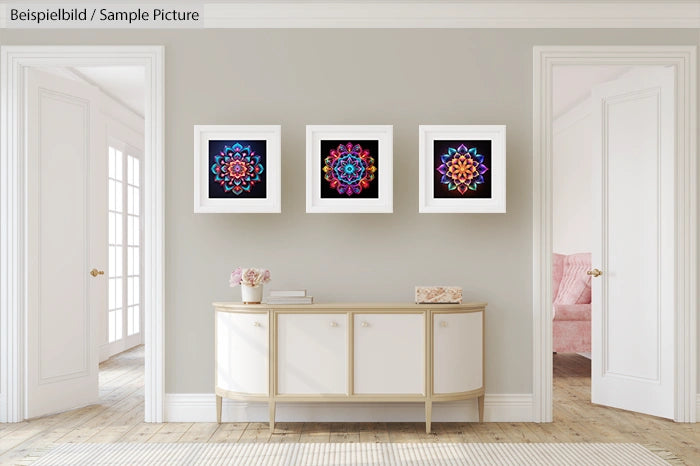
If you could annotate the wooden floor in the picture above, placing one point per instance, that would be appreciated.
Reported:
(119, 418)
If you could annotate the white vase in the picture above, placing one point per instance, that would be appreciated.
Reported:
(251, 294)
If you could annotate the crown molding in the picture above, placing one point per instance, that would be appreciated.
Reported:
(464, 14)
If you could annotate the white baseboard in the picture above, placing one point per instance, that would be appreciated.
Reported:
(697, 408)
(201, 407)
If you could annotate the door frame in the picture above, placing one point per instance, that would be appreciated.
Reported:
(14, 61)
(683, 58)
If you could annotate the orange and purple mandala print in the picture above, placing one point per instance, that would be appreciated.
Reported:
(462, 169)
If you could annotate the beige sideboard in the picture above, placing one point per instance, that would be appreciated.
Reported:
(376, 352)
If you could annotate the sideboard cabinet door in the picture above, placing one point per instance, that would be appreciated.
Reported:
(242, 352)
(457, 352)
(312, 354)
(389, 351)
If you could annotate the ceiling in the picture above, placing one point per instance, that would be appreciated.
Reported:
(124, 83)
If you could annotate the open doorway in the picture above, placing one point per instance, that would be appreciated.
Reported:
(102, 170)
(613, 236)
(673, 348)
(572, 227)
(85, 140)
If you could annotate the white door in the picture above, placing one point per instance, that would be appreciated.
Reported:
(389, 354)
(67, 228)
(124, 316)
(311, 354)
(633, 244)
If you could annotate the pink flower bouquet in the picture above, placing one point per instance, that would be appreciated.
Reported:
(249, 276)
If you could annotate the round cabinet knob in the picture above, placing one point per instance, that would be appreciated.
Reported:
(365, 323)
(256, 324)
(334, 324)
(443, 323)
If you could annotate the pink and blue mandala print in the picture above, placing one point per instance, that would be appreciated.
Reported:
(237, 169)
(349, 169)
(462, 169)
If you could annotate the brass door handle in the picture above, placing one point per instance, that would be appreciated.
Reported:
(595, 273)
(95, 272)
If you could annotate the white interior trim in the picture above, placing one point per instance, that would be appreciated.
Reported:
(684, 59)
(461, 14)
(201, 407)
(13, 62)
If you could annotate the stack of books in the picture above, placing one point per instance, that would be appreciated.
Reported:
(289, 297)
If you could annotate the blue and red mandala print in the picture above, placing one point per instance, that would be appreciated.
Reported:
(237, 169)
(461, 168)
(349, 169)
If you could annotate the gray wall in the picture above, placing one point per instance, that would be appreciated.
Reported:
(399, 77)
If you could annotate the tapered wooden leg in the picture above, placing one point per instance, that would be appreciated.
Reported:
(428, 415)
(272, 415)
(218, 409)
(481, 408)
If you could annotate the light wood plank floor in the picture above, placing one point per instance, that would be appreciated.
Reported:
(119, 418)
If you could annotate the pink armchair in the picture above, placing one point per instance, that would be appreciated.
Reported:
(571, 289)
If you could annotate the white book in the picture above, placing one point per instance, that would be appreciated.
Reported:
(289, 300)
(287, 293)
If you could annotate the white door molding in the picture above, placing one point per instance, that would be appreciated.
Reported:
(14, 60)
(683, 59)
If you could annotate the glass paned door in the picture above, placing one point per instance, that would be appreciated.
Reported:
(133, 221)
(116, 244)
(124, 309)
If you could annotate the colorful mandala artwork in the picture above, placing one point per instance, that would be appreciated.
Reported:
(349, 169)
(462, 169)
(237, 169)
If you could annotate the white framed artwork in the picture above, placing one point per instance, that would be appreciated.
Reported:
(237, 169)
(462, 169)
(349, 168)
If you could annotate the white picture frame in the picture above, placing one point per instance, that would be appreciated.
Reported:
(378, 192)
(461, 196)
(212, 196)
